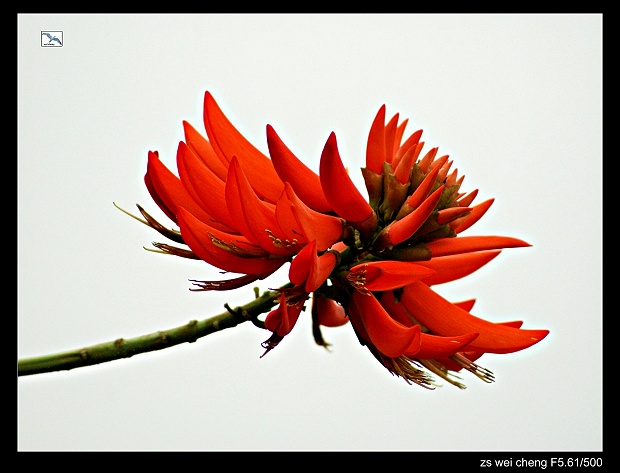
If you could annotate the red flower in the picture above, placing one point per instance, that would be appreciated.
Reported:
(371, 261)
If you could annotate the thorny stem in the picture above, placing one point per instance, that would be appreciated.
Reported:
(125, 348)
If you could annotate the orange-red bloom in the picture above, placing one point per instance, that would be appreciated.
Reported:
(371, 261)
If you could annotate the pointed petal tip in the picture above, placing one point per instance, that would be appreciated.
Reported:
(338, 188)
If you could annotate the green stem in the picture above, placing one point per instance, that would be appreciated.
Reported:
(125, 348)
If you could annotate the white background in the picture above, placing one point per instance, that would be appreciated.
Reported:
(515, 100)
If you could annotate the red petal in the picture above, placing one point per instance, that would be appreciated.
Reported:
(396, 310)
(446, 319)
(389, 336)
(203, 149)
(466, 200)
(287, 219)
(202, 239)
(471, 355)
(328, 312)
(306, 183)
(424, 189)
(320, 271)
(283, 318)
(325, 229)
(400, 230)
(451, 180)
(300, 266)
(465, 305)
(389, 135)
(451, 213)
(431, 346)
(443, 172)
(403, 169)
(386, 275)
(450, 268)
(228, 142)
(256, 220)
(409, 143)
(466, 244)
(169, 190)
(338, 188)
(476, 214)
(425, 162)
(310, 269)
(155, 194)
(398, 136)
(205, 187)
(375, 148)
(436, 346)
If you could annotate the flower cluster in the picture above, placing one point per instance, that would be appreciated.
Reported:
(368, 261)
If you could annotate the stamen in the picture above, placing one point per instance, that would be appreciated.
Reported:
(172, 250)
(484, 374)
(357, 279)
(131, 215)
(234, 249)
(278, 241)
(223, 285)
(404, 367)
(441, 371)
(172, 234)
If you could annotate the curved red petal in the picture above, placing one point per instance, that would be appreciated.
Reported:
(476, 214)
(398, 136)
(228, 142)
(283, 318)
(302, 262)
(328, 312)
(338, 188)
(309, 269)
(390, 337)
(443, 172)
(375, 148)
(402, 171)
(256, 221)
(207, 243)
(392, 306)
(400, 230)
(424, 189)
(410, 144)
(452, 267)
(426, 161)
(471, 355)
(466, 244)
(451, 213)
(389, 132)
(325, 229)
(466, 200)
(205, 187)
(437, 346)
(287, 219)
(154, 191)
(431, 346)
(386, 275)
(203, 149)
(320, 271)
(446, 319)
(170, 190)
(467, 305)
(305, 182)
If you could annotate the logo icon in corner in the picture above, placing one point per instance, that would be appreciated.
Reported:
(51, 39)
